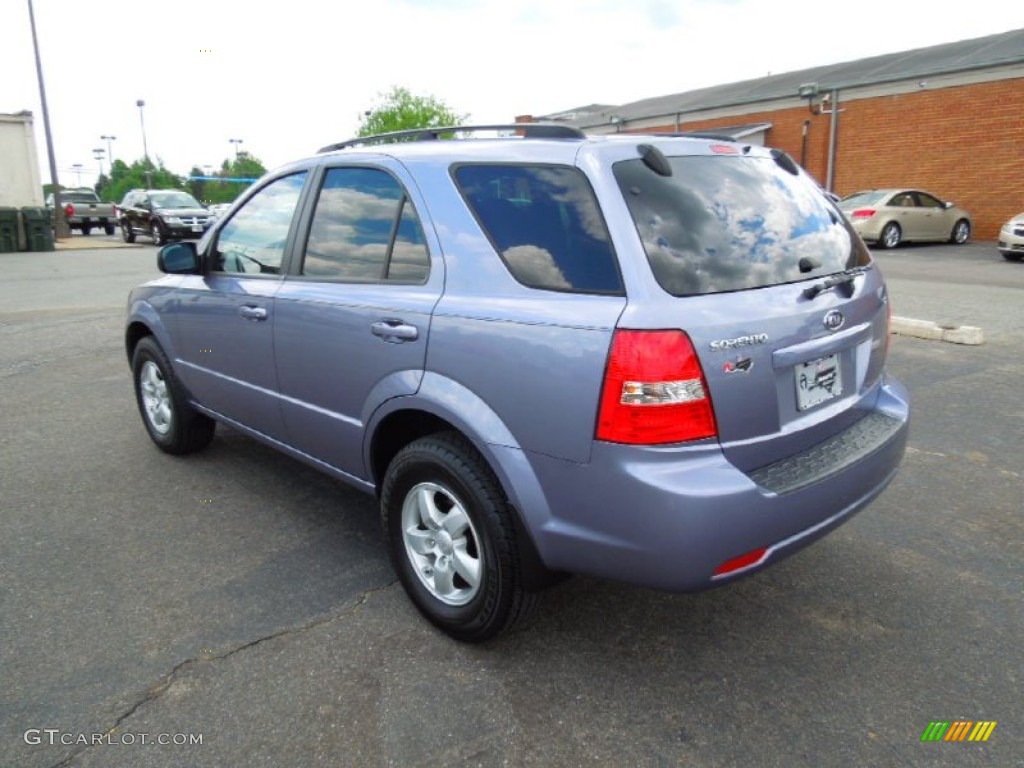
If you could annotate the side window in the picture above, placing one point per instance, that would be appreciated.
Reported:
(253, 241)
(545, 223)
(365, 229)
(927, 201)
(905, 200)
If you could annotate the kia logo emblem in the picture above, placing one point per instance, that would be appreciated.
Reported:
(834, 320)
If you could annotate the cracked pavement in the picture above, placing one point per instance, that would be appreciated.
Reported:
(243, 597)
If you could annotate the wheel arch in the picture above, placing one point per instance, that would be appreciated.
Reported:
(401, 420)
(144, 321)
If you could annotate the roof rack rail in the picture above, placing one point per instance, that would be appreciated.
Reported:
(528, 130)
(696, 135)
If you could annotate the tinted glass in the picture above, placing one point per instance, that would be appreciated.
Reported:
(365, 229)
(545, 224)
(253, 240)
(727, 223)
(927, 201)
(174, 200)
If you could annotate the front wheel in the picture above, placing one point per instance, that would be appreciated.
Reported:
(174, 425)
(452, 540)
(157, 233)
(961, 232)
(1013, 256)
(891, 235)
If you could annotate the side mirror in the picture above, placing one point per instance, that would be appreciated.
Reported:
(178, 258)
(947, 205)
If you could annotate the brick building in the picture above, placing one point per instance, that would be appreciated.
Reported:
(947, 118)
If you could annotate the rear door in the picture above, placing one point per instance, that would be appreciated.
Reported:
(743, 250)
(352, 321)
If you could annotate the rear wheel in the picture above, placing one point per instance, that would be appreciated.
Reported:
(127, 233)
(86, 229)
(174, 425)
(961, 232)
(452, 540)
(109, 228)
(891, 235)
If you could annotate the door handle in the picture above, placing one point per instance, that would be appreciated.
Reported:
(395, 331)
(250, 312)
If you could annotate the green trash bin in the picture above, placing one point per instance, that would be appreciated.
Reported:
(38, 229)
(8, 230)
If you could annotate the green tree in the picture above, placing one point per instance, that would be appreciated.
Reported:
(401, 110)
(245, 166)
(141, 174)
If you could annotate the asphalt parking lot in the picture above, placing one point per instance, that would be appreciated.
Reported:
(240, 597)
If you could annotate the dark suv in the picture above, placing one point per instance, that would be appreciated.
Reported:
(162, 214)
(649, 358)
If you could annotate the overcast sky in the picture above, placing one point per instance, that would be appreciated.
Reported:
(289, 77)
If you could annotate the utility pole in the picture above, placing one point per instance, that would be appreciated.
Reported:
(60, 222)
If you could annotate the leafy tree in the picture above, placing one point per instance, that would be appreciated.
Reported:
(401, 110)
(245, 166)
(141, 174)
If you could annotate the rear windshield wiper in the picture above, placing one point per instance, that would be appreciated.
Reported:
(843, 278)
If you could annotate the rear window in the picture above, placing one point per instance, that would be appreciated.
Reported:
(862, 198)
(727, 223)
(545, 223)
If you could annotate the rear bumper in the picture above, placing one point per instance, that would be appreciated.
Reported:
(668, 517)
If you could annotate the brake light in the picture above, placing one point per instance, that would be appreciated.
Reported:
(863, 213)
(69, 210)
(654, 391)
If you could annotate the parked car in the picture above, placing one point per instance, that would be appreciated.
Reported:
(84, 210)
(889, 217)
(162, 214)
(1011, 238)
(653, 359)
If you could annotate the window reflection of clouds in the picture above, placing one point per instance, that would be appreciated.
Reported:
(721, 224)
(260, 228)
(535, 266)
(352, 229)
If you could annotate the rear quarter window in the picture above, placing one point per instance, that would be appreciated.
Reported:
(545, 223)
(727, 223)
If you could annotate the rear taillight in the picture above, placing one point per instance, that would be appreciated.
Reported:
(69, 210)
(863, 213)
(654, 391)
(115, 211)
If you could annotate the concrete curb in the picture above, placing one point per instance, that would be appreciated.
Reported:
(926, 329)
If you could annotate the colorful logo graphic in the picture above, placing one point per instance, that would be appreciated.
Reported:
(958, 730)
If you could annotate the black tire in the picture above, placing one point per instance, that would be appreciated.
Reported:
(127, 232)
(442, 468)
(961, 232)
(174, 425)
(86, 229)
(891, 235)
(109, 228)
(157, 233)
(1013, 256)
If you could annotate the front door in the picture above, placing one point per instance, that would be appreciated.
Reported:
(224, 319)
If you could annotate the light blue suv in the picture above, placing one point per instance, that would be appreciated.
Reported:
(657, 359)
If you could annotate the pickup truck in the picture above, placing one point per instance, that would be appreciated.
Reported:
(84, 210)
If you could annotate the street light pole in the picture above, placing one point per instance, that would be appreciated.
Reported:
(98, 154)
(60, 222)
(236, 142)
(78, 173)
(110, 151)
(140, 103)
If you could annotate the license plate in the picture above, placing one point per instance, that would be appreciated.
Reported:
(197, 228)
(818, 381)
